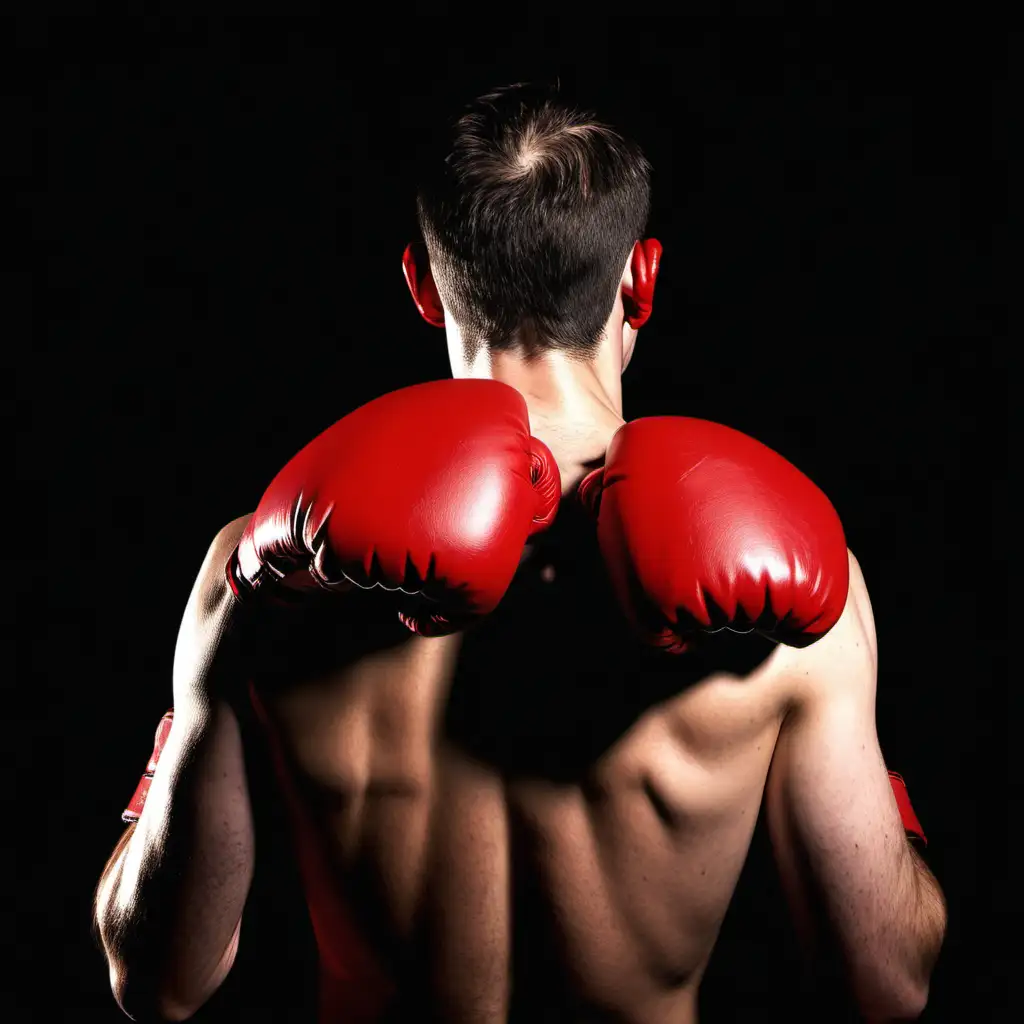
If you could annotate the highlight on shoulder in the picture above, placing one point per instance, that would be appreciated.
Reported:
(847, 652)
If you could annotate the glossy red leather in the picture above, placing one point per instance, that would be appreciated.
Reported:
(645, 265)
(704, 528)
(134, 809)
(416, 268)
(911, 825)
(433, 490)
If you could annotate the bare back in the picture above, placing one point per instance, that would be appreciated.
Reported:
(539, 799)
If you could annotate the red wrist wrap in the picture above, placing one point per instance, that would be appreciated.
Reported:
(138, 801)
(910, 823)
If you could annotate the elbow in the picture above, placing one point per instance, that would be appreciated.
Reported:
(894, 1002)
(142, 1002)
(148, 995)
(129, 995)
(172, 1011)
(899, 993)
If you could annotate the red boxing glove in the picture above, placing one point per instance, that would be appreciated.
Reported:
(910, 823)
(134, 809)
(432, 490)
(703, 528)
(644, 264)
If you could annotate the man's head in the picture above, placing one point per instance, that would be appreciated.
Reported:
(530, 222)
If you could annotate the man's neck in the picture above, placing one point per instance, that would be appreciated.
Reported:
(575, 407)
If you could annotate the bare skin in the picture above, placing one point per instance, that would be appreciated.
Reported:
(619, 870)
(539, 819)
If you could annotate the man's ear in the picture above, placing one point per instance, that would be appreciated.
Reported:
(416, 268)
(638, 300)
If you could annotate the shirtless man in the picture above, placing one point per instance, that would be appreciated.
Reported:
(523, 785)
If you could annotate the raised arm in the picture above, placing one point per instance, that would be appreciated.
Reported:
(836, 829)
(169, 903)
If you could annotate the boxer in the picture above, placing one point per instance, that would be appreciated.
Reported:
(525, 671)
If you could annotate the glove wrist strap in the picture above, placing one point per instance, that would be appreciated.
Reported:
(134, 809)
(911, 824)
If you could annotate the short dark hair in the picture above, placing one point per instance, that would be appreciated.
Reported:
(530, 217)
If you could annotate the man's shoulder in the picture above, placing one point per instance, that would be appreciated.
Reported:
(224, 542)
(228, 535)
(858, 619)
(212, 578)
(848, 649)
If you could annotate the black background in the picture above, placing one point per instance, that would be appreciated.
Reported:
(219, 214)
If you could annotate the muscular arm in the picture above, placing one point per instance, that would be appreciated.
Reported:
(169, 903)
(836, 829)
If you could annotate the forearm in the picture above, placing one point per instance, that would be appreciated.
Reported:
(870, 924)
(169, 907)
(897, 961)
(927, 923)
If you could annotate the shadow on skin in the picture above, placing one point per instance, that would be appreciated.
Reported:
(555, 676)
(544, 686)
